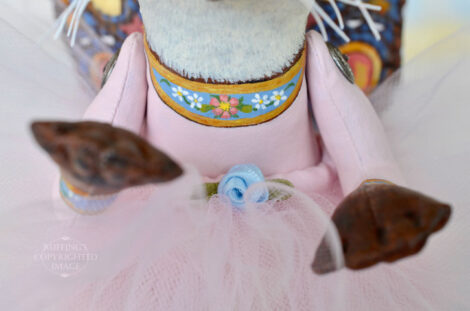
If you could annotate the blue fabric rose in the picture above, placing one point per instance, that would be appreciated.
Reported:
(235, 184)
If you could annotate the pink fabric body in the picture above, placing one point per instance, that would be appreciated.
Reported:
(352, 145)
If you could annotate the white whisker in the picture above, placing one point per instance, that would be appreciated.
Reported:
(74, 17)
(322, 17)
(320, 23)
(330, 22)
(76, 26)
(368, 19)
(62, 19)
(368, 6)
(76, 8)
(337, 13)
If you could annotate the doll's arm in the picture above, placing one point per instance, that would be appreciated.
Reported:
(350, 128)
(122, 103)
(376, 222)
(98, 160)
(122, 100)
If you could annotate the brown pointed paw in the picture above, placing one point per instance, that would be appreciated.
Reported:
(382, 223)
(99, 159)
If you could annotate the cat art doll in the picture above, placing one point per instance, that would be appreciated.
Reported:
(230, 162)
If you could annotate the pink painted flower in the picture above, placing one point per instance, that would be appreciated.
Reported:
(224, 108)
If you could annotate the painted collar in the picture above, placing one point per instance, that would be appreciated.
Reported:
(226, 105)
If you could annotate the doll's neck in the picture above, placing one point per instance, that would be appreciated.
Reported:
(226, 41)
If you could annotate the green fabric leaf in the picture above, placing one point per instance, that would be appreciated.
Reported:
(280, 195)
(211, 189)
